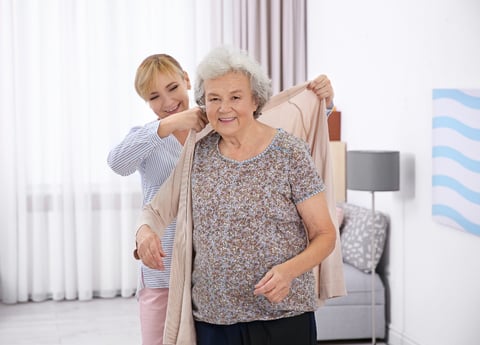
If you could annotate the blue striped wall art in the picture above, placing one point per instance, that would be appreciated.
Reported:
(456, 159)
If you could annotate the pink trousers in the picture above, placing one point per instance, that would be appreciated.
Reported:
(153, 311)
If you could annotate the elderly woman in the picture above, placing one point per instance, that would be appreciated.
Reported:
(259, 216)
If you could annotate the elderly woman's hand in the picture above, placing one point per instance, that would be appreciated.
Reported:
(149, 248)
(275, 285)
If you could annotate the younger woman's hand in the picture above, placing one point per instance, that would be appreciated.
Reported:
(322, 87)
(194, 118)
(149, 248)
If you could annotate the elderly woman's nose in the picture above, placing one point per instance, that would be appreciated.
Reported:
(225, 105)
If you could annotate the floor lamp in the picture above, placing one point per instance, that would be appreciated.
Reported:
(373, 171)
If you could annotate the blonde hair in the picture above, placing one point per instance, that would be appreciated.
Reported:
(150, 67)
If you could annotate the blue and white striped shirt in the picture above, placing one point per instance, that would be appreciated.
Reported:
(154, 158)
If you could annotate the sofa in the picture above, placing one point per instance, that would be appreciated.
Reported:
(349, 317)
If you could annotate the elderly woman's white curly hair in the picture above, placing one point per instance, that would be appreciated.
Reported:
(225, 59)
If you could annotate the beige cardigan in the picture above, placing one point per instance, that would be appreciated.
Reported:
(298, 111)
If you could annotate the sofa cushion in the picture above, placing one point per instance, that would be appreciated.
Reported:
(355, 236)
(359, 289)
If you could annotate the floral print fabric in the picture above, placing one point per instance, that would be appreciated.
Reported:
(245, 222)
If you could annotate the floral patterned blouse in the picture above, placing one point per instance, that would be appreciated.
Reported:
(245, 222)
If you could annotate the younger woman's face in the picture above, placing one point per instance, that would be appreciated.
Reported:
(169, 94)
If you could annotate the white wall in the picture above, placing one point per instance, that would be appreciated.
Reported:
(384, 58)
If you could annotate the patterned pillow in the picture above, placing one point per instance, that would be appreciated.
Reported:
(356, 236)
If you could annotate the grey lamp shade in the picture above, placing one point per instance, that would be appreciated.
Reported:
(373, 170)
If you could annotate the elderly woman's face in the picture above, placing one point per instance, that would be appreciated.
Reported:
(229, 102)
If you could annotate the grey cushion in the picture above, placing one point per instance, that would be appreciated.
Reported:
(359, 288)
(349, 317)
(355, 235)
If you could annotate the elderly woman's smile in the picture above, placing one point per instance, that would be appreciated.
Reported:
(228, 101)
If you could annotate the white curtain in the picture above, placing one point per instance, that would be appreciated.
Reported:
(67, 67)
(274, 32)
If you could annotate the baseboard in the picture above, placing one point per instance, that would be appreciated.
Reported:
(396, 337)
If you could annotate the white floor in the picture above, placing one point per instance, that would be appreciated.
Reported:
(97, 322)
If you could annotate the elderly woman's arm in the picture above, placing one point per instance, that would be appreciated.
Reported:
(275, 285)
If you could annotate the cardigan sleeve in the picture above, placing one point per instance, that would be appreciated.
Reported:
(179, 325)
(298, 111)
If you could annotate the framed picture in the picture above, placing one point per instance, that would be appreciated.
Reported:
(456, 159)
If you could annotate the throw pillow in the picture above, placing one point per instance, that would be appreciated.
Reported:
(356, 236)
